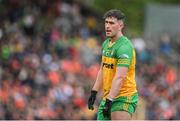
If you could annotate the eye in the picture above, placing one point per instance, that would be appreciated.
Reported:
(106, 22)
(111, 22)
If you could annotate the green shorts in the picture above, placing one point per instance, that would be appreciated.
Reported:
(124, 103)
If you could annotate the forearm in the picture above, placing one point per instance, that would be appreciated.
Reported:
(116, 86)
(98, 82)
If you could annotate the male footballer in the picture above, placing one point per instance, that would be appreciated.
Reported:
(117, 72)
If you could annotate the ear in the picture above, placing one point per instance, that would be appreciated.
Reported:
(121, 24)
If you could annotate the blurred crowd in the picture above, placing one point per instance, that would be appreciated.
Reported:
(158, 77)
(50, 53)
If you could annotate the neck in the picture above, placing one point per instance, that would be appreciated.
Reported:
(114, 38)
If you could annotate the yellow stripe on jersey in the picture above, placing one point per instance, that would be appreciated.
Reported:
(123, 61)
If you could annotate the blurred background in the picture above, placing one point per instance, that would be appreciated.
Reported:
(50, 52)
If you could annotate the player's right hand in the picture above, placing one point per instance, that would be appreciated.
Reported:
(92, 99)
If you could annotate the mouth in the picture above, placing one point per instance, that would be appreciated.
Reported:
(108, 31)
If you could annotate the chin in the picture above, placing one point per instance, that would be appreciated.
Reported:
(108, 35)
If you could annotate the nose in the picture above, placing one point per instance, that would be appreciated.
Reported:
(107, 26)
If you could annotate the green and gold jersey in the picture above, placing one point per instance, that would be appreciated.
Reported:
(119, 53)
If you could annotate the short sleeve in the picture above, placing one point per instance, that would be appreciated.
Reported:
(124, 55)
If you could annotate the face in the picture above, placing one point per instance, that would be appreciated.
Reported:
(112, 26)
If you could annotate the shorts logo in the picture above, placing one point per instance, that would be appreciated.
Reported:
(106, 65)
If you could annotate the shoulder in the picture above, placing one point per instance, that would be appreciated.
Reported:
(125, 43)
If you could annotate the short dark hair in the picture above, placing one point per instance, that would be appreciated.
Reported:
(114, 13)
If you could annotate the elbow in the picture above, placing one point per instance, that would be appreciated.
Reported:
(121, 77)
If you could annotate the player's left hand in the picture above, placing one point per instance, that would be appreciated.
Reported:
(107, 108)
(92, 99)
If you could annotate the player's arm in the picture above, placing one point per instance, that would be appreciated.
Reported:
(95, 89)
(117, 81)
(115, 88)
(98, 83)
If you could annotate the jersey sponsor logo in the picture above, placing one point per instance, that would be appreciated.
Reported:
(107, 65)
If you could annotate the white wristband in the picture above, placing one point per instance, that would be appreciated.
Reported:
(110, 98)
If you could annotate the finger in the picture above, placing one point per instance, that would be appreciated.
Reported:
(91, 108)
